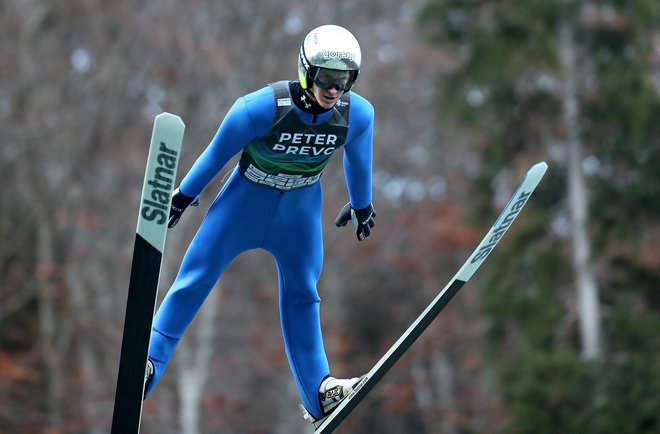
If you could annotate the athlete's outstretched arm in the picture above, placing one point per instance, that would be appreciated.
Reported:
(358, 153)
(249, 117)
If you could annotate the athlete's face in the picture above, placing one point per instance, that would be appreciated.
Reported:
(328, 85)
(326, 98)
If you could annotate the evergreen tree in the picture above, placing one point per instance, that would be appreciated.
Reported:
(513, 90)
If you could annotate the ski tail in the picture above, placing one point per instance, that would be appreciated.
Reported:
(483, 250)
(160, 175)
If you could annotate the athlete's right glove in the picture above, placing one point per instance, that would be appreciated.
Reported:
(363, 219)
(179, 204)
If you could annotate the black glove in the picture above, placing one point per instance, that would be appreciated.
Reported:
(179, 204)
(363, 219)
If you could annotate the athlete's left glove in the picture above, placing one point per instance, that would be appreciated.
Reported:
(363, 219)
(180, 202)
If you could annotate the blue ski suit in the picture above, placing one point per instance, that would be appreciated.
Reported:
(279, 212)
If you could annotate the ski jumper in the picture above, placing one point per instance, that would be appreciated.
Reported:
(271, 201)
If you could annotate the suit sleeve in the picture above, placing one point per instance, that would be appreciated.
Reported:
(358, 155)
(249, 117)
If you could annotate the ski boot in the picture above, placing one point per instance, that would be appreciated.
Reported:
(148, 376)
(331, 393)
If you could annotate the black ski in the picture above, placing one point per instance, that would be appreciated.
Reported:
(502, 224)
(155, 202)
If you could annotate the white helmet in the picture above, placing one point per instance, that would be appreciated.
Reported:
(329, 57)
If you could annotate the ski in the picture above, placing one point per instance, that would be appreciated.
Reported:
(162, 163)
(494, 235)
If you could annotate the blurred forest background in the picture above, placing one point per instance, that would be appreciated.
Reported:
(558, 332)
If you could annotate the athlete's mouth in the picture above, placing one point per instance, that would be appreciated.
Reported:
(329, 98)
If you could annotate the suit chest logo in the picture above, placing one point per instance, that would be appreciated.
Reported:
(306, 144)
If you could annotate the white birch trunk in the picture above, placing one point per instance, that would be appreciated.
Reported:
(194, 364)
(443, 374)
(587, 290)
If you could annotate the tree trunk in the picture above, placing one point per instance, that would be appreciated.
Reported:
(87, 359)
(587, 290)
(443, 376)
(194, 362)
(47, 326)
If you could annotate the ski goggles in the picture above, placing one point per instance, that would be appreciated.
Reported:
(328, 78)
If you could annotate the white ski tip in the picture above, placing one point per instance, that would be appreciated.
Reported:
(540, 164)
(504, 221)
(159, 178)
(169, 118)
(539, 168)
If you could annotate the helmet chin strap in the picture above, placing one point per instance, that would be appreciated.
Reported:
(315, 101)
(304, 99)
(310, 94)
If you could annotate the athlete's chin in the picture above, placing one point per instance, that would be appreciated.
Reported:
(327, 101)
